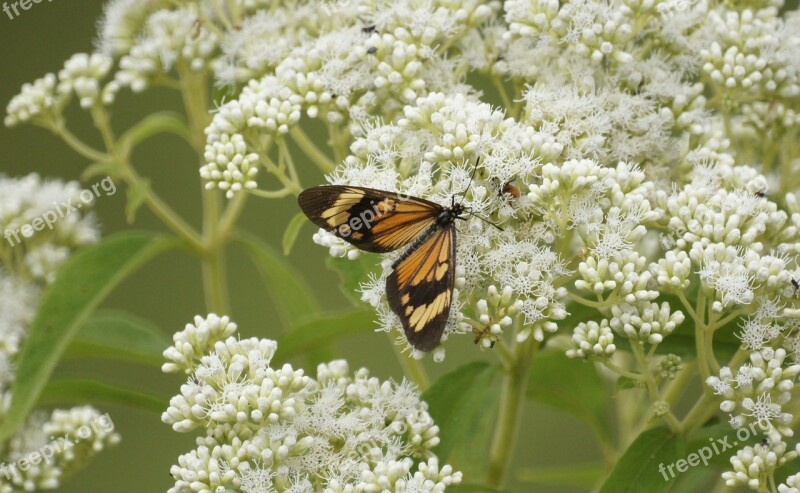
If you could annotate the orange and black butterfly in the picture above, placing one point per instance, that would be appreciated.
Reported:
(420, 287)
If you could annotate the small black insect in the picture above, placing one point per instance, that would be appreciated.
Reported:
(761, 193)
(372, 49)
(369, 29)
(796, 284)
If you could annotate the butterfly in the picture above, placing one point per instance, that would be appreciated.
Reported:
(420, 286)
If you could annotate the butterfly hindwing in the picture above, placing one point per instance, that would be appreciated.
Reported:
(420, 287)
(372, 220)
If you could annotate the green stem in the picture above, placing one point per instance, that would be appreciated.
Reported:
(194, 90)
(153, 202)
(310, 149)
(412, 368)
(79, 146)
(700, 413)
(512, 402)
(271, 194)
(652, 388)
(623, 372)
(231, 215)
(707, 405)
(583, 301)
(677, 387)
(337, 142)
(213, 259)
(501, 90)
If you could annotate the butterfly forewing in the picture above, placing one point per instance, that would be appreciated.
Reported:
(420, 287)
(372, 220)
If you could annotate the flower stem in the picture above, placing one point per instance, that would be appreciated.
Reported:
(194, 90)
(213, 259)
(412, 368)
(512, 403)
(156, 205)
(78, 145)
(310, 149)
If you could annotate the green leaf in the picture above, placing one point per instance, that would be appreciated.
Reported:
(696, 479)
(137, 194)
(322, 330)
(638, 470)
(118, 335)
(81, 285)
(292, 231)
(569, 385)
(464, 405)
(293, 298)
(582, 475)
(78, 391)
(351, 274)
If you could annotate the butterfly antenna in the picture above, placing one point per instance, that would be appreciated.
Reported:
(471, 178)
(484, 219)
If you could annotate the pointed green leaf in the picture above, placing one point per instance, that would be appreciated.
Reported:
(118, 335)
(292, 231)
(293, 298)
(464, 405)
(570, 385)
(78, 391)
(81, 285)
(642, 468)
(137, 194)
(322, 330)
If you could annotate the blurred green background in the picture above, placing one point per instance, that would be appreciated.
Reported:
(168, 291)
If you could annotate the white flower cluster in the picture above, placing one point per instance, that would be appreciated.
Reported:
(753, 467)
(22, 200)
(278, 430)
(792, 485)
(50, 447)
(43, 101)
(759, 394)
(169, 39)
(758, 391)
(753, 52)
(25, 268)
(368, 58)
